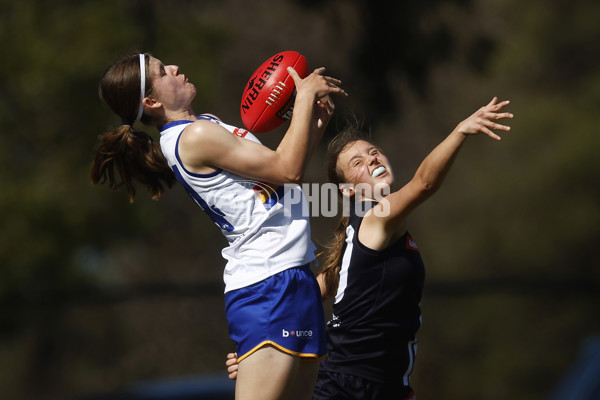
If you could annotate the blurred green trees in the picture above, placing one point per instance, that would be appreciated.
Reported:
(96, 292)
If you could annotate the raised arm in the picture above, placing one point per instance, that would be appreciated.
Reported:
(205, 146)
(387, 220)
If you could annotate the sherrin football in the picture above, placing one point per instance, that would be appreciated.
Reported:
(268, 99)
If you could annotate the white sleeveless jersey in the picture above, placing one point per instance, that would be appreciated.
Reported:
(266, 225)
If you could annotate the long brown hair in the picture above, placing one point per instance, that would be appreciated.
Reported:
(132, 155)
(332, 255)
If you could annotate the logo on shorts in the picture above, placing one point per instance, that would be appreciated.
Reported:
(297, 333)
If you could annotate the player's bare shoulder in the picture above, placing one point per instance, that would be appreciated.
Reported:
(201, 132)
(200, 142)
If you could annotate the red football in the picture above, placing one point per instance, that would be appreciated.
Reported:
(268, 99)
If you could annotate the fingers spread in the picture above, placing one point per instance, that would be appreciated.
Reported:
(500, 115)
(497, 106)
(490, 133)
(494, 100)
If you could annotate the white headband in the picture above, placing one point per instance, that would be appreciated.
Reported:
(142, 85)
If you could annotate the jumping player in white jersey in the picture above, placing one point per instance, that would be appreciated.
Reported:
(272, 298)
(372, 267)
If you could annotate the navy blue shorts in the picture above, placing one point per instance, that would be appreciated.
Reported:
(336, 386)
(284, 311)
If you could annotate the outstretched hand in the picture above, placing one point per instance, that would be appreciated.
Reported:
(321, 85)
(322, 88)
(483, 120)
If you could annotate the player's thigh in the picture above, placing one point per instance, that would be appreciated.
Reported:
(267, 374)
(306, 378)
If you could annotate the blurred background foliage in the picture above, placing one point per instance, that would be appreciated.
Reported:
(96, 293)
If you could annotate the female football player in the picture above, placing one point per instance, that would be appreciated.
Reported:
(250, 192)
(372, 268)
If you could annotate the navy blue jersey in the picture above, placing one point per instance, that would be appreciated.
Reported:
(377, 312)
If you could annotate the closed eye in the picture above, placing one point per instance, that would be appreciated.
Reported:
(161, 70)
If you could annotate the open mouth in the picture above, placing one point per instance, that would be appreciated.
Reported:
(378, 171)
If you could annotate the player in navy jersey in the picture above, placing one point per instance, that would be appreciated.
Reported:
(273, 304)
(372, 268)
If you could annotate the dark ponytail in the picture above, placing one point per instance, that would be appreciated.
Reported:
(332, 258)
(125, 155)
(134, 156)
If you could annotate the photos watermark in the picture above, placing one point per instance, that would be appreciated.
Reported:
(331, 200)
(306, 200)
